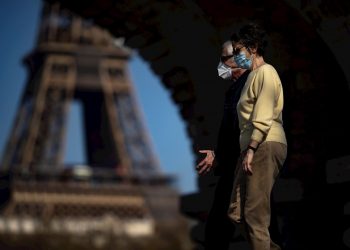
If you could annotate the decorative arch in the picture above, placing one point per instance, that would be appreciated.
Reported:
(181, 40)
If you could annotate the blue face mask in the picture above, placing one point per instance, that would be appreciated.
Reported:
(242, 61)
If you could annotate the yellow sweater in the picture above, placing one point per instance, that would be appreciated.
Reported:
(260, 107)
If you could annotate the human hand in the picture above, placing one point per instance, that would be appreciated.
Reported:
(207, 163)
(247, 162)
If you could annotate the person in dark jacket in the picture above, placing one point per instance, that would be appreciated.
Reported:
(219, 230)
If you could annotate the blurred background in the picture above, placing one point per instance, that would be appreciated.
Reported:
(105, 104)
(20, 22)
(161, 125)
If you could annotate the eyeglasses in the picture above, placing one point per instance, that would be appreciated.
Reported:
(225, 58)
(237, 50)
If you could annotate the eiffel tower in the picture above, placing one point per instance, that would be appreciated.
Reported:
(77, 60)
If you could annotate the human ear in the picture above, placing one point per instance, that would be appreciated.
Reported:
(252, 50)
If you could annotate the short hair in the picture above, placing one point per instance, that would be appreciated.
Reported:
(251, 35)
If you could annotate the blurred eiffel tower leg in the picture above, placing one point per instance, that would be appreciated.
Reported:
(37, 140)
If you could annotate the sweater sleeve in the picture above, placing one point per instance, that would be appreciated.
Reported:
(265, 91)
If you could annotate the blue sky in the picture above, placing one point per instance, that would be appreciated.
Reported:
(18, 25)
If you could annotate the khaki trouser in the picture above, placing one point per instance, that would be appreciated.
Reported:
(250, 199)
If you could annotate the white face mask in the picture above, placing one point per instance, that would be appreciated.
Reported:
(224, 71)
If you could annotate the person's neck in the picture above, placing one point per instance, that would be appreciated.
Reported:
(257, 62)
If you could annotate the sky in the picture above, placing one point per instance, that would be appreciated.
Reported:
(19, 25)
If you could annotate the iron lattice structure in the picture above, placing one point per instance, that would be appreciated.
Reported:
(76, 60)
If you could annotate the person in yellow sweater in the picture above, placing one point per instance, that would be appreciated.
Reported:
(263, 142)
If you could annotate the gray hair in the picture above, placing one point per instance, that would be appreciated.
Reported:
(227, 48)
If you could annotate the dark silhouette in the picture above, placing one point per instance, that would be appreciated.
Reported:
(219, 230)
